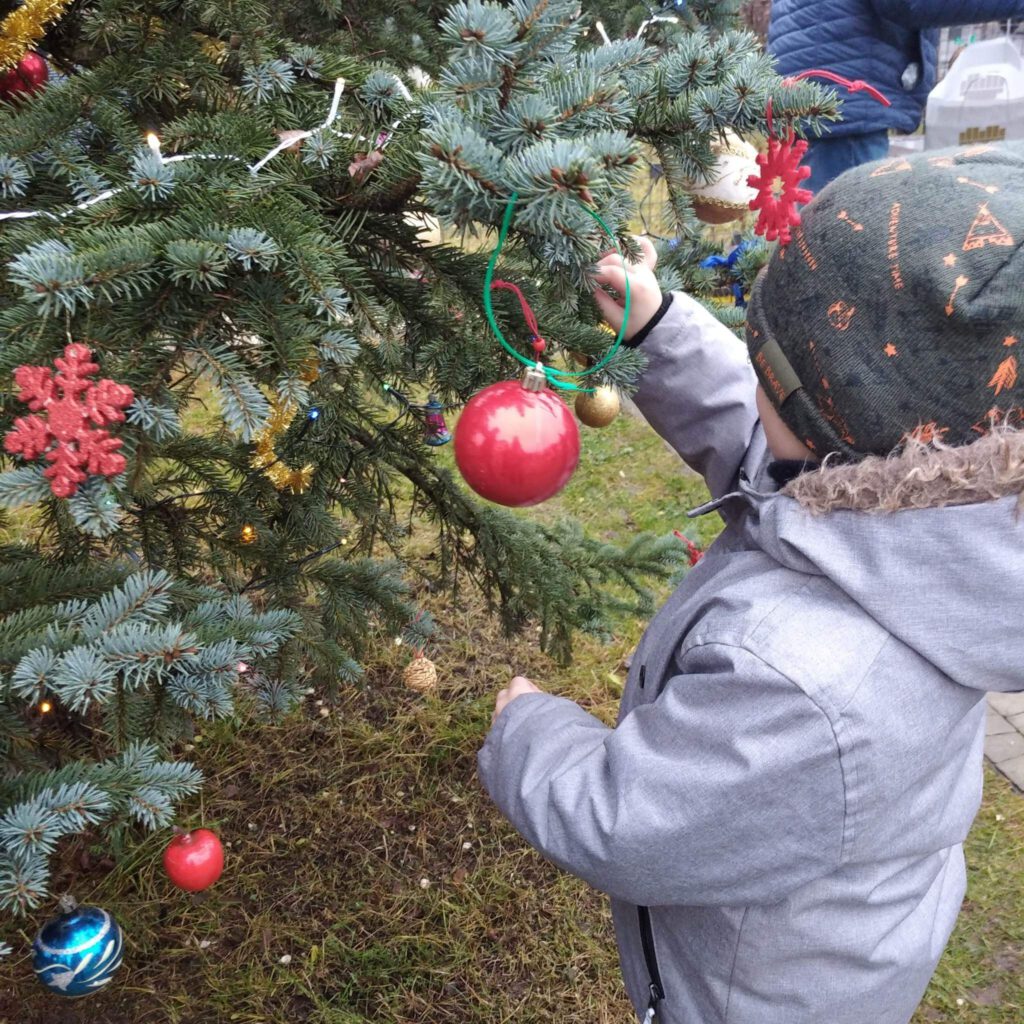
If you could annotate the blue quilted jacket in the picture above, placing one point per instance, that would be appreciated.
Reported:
(891, 44)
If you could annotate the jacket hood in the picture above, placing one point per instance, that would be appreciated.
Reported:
(929, 542)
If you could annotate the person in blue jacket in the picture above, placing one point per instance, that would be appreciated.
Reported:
(890, 44)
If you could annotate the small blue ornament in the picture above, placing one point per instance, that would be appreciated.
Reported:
(78, 951)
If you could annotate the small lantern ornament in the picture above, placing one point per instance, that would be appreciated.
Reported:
(77, 952)
(436, 430)
(516, 443)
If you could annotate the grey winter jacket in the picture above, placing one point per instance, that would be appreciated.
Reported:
(779, 813)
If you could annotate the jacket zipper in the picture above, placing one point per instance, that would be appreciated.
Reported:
(651, 959)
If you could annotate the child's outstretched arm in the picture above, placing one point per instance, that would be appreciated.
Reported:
(698, 390)
(727, 789)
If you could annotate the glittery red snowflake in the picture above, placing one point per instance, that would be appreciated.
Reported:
(75, 409)
(778, 188)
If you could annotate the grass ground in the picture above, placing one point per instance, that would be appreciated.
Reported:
(369, 879)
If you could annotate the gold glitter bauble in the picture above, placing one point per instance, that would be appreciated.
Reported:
(599, 408)
(420, 675)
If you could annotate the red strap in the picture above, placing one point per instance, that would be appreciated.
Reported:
(855, 85)
(531, 321)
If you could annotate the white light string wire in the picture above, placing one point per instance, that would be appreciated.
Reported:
(653, 19)
(339, 88)
(641, 31)
(154, 144)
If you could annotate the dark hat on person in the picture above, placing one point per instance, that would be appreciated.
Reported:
(897, 310)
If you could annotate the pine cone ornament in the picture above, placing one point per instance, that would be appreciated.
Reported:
(420, 675)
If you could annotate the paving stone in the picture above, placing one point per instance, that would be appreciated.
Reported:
(1007, 704)
(996, 725)
(1017, 722)
(1003, 748)
(1014, 770)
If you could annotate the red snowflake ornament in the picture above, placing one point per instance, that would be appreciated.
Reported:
(778, 188)
(75, 408)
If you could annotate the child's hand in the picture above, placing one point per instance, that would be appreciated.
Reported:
(644, 292)
(516, 688)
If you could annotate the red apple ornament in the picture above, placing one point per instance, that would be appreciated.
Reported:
(194, 860)
(28, 75)
(516, 442)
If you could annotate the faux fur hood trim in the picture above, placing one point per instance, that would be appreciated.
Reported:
(920, 476)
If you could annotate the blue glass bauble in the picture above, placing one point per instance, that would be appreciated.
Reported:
(78, 951)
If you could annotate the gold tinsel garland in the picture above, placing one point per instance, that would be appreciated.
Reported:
(282, 412)
(282, 476)
(24, 27)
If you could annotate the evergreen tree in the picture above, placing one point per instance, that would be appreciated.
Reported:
(279, 322)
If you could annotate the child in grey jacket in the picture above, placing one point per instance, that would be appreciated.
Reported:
(779, 813)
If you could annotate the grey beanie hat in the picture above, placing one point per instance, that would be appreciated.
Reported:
(898, 308)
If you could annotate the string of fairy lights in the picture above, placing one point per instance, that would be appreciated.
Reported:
(288, 141)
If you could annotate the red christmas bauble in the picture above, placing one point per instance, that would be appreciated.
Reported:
(28, 75)
(194, 860)
(516, 447)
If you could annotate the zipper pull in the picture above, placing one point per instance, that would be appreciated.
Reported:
(643, 676)
(652, 1007)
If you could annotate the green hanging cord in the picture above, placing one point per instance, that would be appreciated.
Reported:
(489, 277)
(551, 374)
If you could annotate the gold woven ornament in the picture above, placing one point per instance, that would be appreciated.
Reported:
(599, 408)
(25, 26)
(420, 675)
(282, 476)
